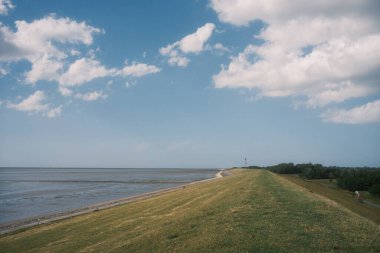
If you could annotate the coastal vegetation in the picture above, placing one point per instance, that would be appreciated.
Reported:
(248, 211)
(348, 178)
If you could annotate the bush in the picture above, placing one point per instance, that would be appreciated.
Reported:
(285, 168)
(358, 179)
(375, 190)
(353, 179)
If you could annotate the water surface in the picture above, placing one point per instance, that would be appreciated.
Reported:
(27, 192)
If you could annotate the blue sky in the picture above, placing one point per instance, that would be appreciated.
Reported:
(189, 83)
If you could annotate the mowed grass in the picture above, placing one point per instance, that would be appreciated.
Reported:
(343, 197)
(249, 211)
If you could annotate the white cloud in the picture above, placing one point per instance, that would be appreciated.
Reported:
(338, 92)
(177, 60)
(168, 49)
(35, 103)
(91, 96)
(37, 42)
(242, 12)
(54, 112)
(43, 68)
(5, 6)
(314, 50)
(74, 52)
(66, 92)
(368, 113)
(192, 43)
(220, 47)
(217, 49)
(279, 68)
(38, 38)
(51, 46)
(87, 69)
(138, 70)
(84, 70)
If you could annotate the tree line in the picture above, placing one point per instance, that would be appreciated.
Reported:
(352, 179)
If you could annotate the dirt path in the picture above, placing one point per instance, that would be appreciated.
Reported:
(371, 204)
(47, 218)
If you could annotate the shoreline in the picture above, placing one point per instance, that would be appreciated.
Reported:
(56, 216)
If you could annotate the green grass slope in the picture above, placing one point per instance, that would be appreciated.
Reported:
(342, 197)
(250, 211)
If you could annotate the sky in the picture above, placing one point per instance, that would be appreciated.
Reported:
(181, 83)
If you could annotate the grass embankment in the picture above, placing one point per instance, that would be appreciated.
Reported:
(250, 211)
(343, 197)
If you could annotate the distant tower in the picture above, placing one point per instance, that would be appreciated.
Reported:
(245, 162)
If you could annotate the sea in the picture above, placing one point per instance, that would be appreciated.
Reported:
(29, 192)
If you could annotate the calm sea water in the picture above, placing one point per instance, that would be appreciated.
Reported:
(27, 192)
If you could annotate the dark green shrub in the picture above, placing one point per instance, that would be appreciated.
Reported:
(375, 190)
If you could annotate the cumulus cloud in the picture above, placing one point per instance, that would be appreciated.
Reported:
(43, 68)
(40, 43)
(368, 113)
(35, 103)
(138, 70)
(192, 43)
(242, 12)
(39, 38)
(48, 44)
(5, 6)
(84, 70)
(91, 96)
(58, 49)
(325, 51)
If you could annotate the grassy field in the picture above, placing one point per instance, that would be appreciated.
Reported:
(250, 211)
(344, 198)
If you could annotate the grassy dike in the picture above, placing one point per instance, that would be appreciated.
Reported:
(249, 211)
